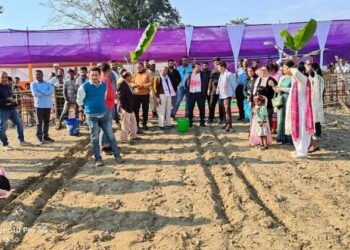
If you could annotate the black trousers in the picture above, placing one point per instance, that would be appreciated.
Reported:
(270, 114)
(144, 101)
(198, 98)
(318, 130)
(43, 122)
(213, 101)
(240, 100)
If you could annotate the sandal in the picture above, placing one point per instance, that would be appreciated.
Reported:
(263, 147)
(313, 150)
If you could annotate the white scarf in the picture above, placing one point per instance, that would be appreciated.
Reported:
(263, 83)
(168, 91)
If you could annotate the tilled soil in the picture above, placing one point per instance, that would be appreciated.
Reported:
(202, 190)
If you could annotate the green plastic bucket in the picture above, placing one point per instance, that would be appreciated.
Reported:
(183, 125)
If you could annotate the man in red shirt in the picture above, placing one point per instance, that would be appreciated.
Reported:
(110, 98)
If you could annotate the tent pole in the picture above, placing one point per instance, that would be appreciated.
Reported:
(30, 72)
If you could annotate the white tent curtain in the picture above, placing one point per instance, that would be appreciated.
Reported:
(277, 28)
(188, 34)
(235, 33)
(322, 32)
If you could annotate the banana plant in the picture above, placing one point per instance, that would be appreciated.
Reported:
(145, 42)
(300, 39)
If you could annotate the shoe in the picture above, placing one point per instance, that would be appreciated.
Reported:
(172, 116)
(136, 139)
(107, 151)
(25, 144)
(228, 129)
(221, 122)
(98, 163)
(162, 128)
(224, 127)
(209, 122)
(39, 142)
(240, 119)
(119, 159)
(313, 149)
(202, 124)
(145, 127)
(155, 115)
(58, 126)
(48, 139)
(139, 132)
(7, 148)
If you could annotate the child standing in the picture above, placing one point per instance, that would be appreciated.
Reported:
(260, 129)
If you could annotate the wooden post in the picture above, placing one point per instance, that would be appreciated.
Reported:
(30, 71)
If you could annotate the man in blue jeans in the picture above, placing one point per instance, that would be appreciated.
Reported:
(8, 112)
(185, 69)
(92, 95)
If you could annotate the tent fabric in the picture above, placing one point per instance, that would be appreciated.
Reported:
(322, 34)
(277, 28)
(235, 33)
(96, 45)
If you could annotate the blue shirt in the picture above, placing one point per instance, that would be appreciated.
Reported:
(184, 72)
(242, 77)
(42, 92)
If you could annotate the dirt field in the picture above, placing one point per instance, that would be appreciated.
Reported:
(202, 190)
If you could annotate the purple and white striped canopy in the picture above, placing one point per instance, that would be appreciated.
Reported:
(95, 45)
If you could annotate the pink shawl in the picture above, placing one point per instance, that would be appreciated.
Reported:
(295, 111)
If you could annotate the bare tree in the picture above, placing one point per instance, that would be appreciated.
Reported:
(112, 13)
(1, 9)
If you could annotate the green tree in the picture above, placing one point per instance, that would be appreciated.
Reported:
(113, 13)
(238, 21)
(1, 9)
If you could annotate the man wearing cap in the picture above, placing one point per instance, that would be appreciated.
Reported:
(142, 83)
(70, 89)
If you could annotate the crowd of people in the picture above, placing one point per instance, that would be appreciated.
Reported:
(289, 91)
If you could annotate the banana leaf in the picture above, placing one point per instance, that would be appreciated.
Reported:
(288, 40)
(304, 35)
(145, 42)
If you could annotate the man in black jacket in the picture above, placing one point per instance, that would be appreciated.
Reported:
(214, 98)
(197, 88)
(8, 112)
(175, 78)
(127, 103)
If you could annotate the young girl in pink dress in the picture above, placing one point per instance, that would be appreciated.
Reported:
(260, 133)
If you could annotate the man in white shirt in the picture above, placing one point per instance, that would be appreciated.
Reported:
(226, 91)
(342, 67)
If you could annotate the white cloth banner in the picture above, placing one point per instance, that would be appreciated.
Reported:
(188, 34)
(277, 28)
(235, 33)
(322, 32)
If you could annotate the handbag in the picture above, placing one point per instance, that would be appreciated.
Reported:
(277, 100)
